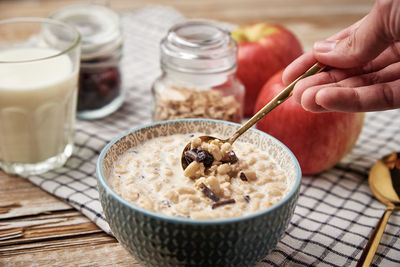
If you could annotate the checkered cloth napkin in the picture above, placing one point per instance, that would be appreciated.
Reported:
(336, 211)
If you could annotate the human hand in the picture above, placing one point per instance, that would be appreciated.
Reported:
(365, 61)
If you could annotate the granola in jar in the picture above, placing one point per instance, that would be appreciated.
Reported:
(191, 103)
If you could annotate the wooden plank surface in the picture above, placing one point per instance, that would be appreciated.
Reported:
(18, 197)
(37, 229)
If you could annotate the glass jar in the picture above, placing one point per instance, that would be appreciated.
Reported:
(100, 82)
(198, 62)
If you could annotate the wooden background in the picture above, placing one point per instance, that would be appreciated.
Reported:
(37, 229)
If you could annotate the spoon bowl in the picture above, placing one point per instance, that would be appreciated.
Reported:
(384, 181)
(276, 101)
(204, 139)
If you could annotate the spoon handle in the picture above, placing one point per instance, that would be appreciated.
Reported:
(369, 251)
(276, 101)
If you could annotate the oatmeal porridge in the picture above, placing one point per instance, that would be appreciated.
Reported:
(220, 181)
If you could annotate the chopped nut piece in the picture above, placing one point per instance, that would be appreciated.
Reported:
(213, 184)
(224, 169)
(194, 170)
(191, 103)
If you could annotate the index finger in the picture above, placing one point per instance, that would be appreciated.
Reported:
(304, 62)
(297, 68)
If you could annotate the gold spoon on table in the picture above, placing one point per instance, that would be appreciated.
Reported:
(384, 181)
(276, 101)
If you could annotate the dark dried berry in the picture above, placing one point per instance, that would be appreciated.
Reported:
(188, 160)
(98, 87)
(222, 203)
(166, 203)
(232, 157)
(205, 157)
(243, 176)
(246, 198)
(190, 155)
(201, 156)
(208, 192)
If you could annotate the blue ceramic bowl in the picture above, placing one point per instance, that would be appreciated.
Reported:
(159, 240)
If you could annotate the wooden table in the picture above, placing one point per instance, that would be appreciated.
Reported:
(39, 229)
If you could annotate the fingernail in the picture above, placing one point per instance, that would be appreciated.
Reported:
(324, 46)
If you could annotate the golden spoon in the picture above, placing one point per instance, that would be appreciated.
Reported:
(276, 101)
(384, 181)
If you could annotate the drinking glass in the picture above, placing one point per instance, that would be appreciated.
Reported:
(39, 63)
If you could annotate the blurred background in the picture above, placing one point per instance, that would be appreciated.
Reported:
(310, 20)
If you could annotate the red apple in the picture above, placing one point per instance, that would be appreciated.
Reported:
(263, 49)
(318, 140)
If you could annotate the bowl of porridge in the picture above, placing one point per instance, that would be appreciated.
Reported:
(229, 207)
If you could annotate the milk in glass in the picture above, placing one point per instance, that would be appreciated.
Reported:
(37, 104)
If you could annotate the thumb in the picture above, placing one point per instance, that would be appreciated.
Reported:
(362, 42)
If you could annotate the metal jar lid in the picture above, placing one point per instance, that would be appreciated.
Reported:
(99, 28)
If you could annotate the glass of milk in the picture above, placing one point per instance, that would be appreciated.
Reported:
(39, 63)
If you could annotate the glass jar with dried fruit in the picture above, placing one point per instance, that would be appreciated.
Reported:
(198, 62)
(100, 87)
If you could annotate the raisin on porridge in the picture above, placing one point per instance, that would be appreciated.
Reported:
(220, 181)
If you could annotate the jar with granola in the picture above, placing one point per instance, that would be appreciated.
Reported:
(198, 62)
(100, 80)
